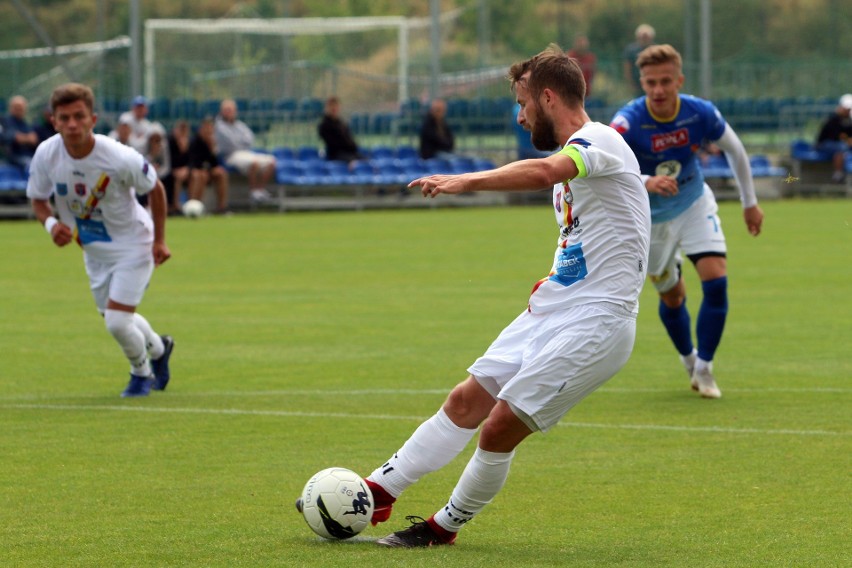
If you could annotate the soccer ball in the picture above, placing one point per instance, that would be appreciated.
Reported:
(193, 208)
(336, 503)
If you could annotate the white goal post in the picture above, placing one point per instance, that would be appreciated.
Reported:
(285, 27)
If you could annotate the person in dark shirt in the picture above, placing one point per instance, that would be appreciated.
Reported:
(835, 137)
(178, 177)
(205, 168)
(335, 133)
(45, 130)
(20, 135)
(436, 137)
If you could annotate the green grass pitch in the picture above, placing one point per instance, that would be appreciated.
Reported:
(311, 340)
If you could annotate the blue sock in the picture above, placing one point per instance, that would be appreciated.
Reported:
(676, 322)
(711, 316)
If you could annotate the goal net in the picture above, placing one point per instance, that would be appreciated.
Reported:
(35, 72)
(373, 63)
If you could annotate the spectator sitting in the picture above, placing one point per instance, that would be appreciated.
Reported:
(585, 59)
(436, 137)
(339, 143)
(526, 150)
(204, 167)
(178, 177)
(157, 153)
(644, 37)
(19, 134)
(235, 140)
(45, 130)
(123, 131)
(835, 136)
(140, 126)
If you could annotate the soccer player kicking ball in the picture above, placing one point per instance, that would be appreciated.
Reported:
(92, 179)
(579, 327)
(665, 129)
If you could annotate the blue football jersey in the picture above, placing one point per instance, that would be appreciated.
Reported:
(669, 147)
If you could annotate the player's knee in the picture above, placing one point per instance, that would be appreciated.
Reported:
(672, 299)
(468, 404)
(118, 323)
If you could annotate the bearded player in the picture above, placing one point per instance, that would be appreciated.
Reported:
(665, 130)
(579, 327)
(92, 180)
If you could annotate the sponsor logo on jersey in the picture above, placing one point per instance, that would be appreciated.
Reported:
(665, 140)
(145, 168)
(78, 173)
(62, 189)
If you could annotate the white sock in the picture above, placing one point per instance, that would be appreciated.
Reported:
(482, 479)
(432, 446)
(132, 341)
(153, 342)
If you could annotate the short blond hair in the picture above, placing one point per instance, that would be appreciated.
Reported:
(659, 54)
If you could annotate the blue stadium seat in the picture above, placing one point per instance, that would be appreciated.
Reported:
(209, 108)
(12, 178)
(762, 167)
(403, 152)
(282, 153)
(186, 109)
(308, 153)
(481, 164)
(804, 151)
(160, 109)
(382, 122)
(359, 123)
(287, 106)
(381, 152)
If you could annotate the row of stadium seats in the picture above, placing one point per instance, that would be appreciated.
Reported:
(716, 166)
(377, 171)
(480, 115)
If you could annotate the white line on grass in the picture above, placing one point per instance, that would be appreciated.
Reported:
(296, 414)
(415, 392)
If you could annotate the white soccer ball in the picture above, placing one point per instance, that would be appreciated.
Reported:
(336, 503)
(193, 208)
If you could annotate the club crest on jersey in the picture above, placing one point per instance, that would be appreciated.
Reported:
(669, 168)
(80, 189)
(62, 189)
(665, 140)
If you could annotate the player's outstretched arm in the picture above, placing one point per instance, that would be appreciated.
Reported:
(61, 234)
(157, 202)
(524, 175)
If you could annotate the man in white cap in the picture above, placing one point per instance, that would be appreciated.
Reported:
(140, 126)
(835, 136)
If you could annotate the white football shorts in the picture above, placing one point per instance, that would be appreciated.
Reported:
(544, 364)
(123, 281)
(696, 230)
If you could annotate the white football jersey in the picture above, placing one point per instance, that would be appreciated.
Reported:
(95, 195)
(604, 220)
